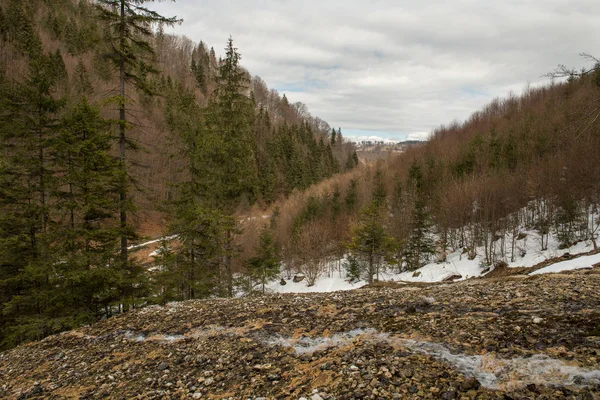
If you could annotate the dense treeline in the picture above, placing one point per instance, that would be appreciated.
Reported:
(522, 163)
(102, 117)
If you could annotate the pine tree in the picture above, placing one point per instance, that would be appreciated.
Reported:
(229, 146)
(379, 192)
(264, 266)
(230, 120)
(194, 272)
(353, 269)
(20, 28)
(370, 242)
(86, 236)
(82, 83)
(351, 199)
(53, 277)
(129, 27)
(129, 24)
(336, 204)
(419, 246)
(192, 269)
(200, 67)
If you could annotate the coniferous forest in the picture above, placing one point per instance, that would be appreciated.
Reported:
(105, 117)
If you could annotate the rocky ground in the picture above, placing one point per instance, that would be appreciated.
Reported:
(506, 338)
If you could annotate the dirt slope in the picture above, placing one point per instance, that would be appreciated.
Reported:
(515, 337)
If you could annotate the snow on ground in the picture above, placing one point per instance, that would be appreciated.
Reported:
(570, 265)
(322, 285)
(139, 246)
(527, 254)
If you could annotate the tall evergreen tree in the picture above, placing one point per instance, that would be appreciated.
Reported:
(352, 195)
(86, 235)
(191, 270)
(229, 145)
(129, 27)
(201, 67)
(379, 192)
(420, 245)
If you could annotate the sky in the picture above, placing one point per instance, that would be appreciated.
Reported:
(395, 69)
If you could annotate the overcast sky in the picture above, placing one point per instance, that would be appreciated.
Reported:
(395, 69)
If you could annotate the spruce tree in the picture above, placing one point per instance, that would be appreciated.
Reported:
(353, 269)
(229, 122)
(264, 266)
(370, 242)
(191, 270)
(129, 28)
(200, 67)
(420, 245)
(228, 144)
(351, 199)
(82, 82)
(87, 235)
(379, 192)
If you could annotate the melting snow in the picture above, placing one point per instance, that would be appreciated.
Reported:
(569, 265)
(498, 373)
(166, 238)
(528, 254)
(490, 371)
(306, 345)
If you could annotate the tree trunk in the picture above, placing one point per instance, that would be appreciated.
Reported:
(228, 264)
(122, 145)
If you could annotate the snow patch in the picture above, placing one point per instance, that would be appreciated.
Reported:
(527, 254)
(134, 336)
(570, 265)
(165, 238)
(307, 345)
(322, 285)
(160, 338)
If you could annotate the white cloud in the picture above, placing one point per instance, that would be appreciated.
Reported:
(396, 66)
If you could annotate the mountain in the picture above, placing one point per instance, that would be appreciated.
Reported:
(472, 191)
(369, 151)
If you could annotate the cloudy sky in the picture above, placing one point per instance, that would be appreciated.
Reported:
(395, 69)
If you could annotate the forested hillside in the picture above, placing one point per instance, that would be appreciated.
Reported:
(105, 121)
(526, 162)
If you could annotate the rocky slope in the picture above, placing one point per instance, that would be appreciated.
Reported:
(507, 338)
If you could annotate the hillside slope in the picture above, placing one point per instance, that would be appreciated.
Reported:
(522, 166)
(519, 337)
(111, 129)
